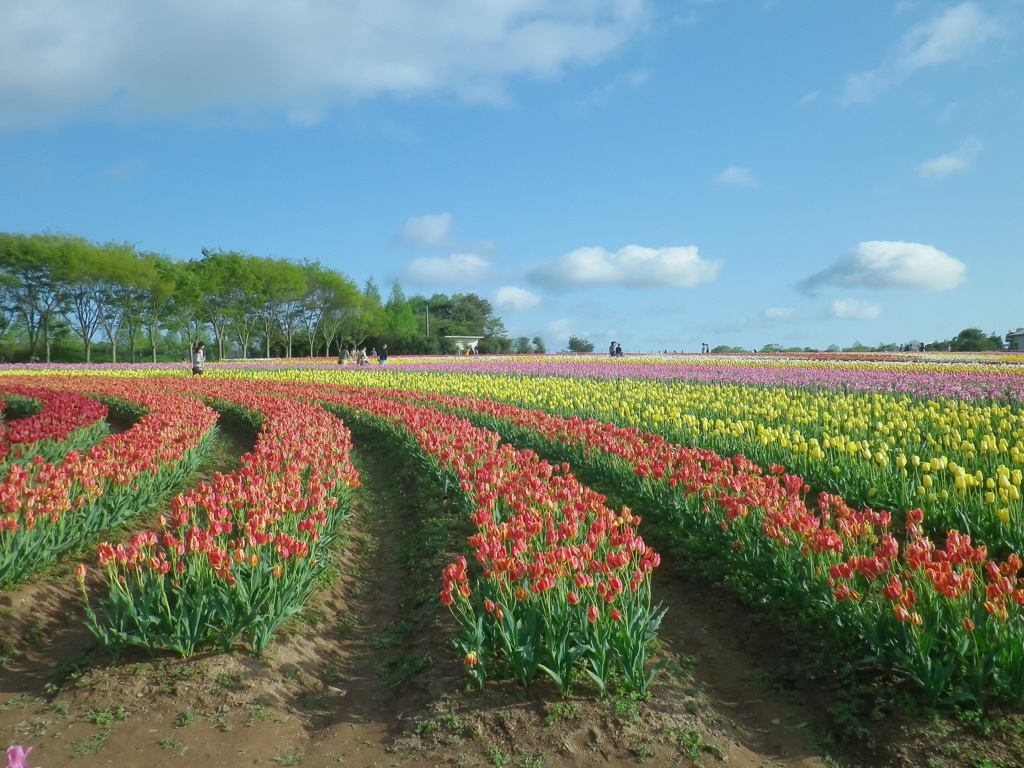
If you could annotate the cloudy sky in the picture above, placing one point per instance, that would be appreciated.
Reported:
(659, 172)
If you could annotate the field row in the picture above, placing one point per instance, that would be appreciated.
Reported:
(553, 581)
(961, 463)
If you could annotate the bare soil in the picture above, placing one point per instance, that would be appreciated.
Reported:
(365, 675)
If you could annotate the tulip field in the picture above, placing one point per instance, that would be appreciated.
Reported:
(873, 497)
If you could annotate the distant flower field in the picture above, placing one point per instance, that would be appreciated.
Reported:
(880, 494)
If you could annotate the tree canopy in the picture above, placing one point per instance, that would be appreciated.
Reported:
(576, 344)
(56, 288)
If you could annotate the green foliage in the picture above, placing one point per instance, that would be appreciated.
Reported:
(975, 340)
(576, 344)
(62, 292)
(522, 346)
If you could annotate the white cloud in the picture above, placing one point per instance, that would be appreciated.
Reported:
(165, 59)
(629, 267)
(458, 268)
(426, 230)
(779, 313)
(734, 176)
(886, 264)
(513, 299)
(950, 36)
(960, 160)
(852, 309)
(812, 96)
(560, 331)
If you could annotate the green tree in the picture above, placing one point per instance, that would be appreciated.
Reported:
(976, 340)
(158, 295)
(121, 282)
(188, 312)
(36, 270)
(522, 346)
(7, 316)
(281, 286)
(538, 344)
(576, 344)
(442, 307)
(856, 347)
(329, 297)
(495, 340)
(366, 318)
(216, 272)
(470, 314)
(372, 291)
(421, 312)
(81, 290)
(400, 323)
(231, 295)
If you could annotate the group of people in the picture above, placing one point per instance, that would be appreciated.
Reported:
(615, 350)
(910, 348)
(705, 347)
(346, 356)
(361, 358)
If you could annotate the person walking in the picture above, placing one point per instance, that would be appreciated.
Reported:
(382, 359)
(199, 359)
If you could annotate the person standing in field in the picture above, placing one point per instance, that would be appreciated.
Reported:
(611, 349)
(344, 356)
(199, 359)
(382, 359)
(361, 356)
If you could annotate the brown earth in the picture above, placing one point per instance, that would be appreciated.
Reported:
(365, 675)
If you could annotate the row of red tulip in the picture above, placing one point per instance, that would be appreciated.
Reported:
(50, 508)
(946, 617)
(561, 581)
(60, 416)
(233, 557)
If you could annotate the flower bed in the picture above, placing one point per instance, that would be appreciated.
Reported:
(235, 557)
(561, 582)
(55, 508)
(67, 421)
(962, 463)
(950, 618)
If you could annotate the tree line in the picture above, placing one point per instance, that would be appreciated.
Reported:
(62, 296)
(968, 340)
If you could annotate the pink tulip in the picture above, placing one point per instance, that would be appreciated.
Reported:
(16, 756)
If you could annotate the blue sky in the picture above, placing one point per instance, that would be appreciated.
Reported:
(662, 173)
